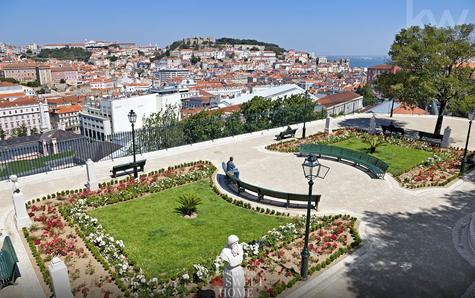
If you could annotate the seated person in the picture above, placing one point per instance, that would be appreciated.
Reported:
(231, 167)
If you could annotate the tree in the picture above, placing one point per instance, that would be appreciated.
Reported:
(195, 59)
(21, 131)
(432, 66)
(369, 99)
(203, 126)
(32, 84)
(10, 80)
(161, 130)
(233, 125)
(257, 113)
(2, 134)
(34, 131)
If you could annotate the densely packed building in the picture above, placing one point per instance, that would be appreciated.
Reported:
(202, 72)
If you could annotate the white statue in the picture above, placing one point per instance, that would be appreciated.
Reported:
(372, 124)
(234, 280)
(16, 184)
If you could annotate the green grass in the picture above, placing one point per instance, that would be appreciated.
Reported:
(164, 243)
(399, 158)
(20, 166)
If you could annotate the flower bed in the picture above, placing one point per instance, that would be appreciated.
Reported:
(99, 266)
(437, 170)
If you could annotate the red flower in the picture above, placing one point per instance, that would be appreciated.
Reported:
(37, 241)
(217, 281)
(333, 236)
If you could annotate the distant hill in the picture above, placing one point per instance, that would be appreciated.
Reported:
(180, 44)
(66, 53)
(268, 46)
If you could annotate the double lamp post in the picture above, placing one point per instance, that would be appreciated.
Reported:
(312, 169)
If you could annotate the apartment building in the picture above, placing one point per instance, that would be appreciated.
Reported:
(111, 114)
(26, 72)
(66, 117)
(65, 73)
(166, 75)
(29, 111)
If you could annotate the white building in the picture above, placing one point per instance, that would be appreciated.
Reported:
(111, 116)
(269, 92)
(137, 87)
(340, 103)
(170, 74)
(8, 89)
(29, 111)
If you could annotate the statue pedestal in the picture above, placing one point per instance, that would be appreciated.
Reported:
(91, 184)
(328, 125)
(59, 278)
(22, 219)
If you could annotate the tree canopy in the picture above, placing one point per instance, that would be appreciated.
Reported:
(164, 130)
(66, 53)
(433, 64)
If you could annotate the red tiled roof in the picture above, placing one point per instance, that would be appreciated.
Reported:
(67, 109)
(7, 84)
(409, 110)
(382, 67)
(22, 101)
(338, 98)
(12, 95)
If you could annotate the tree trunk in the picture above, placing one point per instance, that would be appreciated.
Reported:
(440, 117)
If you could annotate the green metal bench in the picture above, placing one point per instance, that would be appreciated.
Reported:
(8, 259)
(371, 163)
(264, 192)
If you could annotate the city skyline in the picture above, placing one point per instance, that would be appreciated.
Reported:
(366, 28)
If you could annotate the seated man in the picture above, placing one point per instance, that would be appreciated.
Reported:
(231, 167)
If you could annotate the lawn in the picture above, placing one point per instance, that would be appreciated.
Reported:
(400, 159)
(24, 166)
(164, 243)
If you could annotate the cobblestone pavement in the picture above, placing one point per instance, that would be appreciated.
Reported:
(408, 248)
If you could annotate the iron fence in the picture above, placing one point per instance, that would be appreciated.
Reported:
(39, 157)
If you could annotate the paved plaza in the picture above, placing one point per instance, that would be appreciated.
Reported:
(407, 250)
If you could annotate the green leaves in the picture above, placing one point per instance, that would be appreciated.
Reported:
(188, 204)
(433, 66)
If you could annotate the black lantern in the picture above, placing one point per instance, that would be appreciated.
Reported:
(132, 117)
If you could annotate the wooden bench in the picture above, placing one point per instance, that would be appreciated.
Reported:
(431, 138)
(268, 193)
(391, 129)
(140, 164)
(371, 163)
(288, 133)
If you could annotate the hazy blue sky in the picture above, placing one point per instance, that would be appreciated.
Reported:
(352, 27)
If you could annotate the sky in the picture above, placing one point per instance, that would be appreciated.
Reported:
(345, 27)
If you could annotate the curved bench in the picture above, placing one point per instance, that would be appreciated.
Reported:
(263, 193)
(371, 163)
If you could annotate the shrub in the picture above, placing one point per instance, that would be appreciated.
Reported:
(188, 204)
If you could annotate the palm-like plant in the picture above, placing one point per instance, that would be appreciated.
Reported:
(373, 141)
(188, 204)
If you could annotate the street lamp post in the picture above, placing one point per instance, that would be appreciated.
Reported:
(304, 115)
(471, 117)
(132, 118)
(312, 169)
